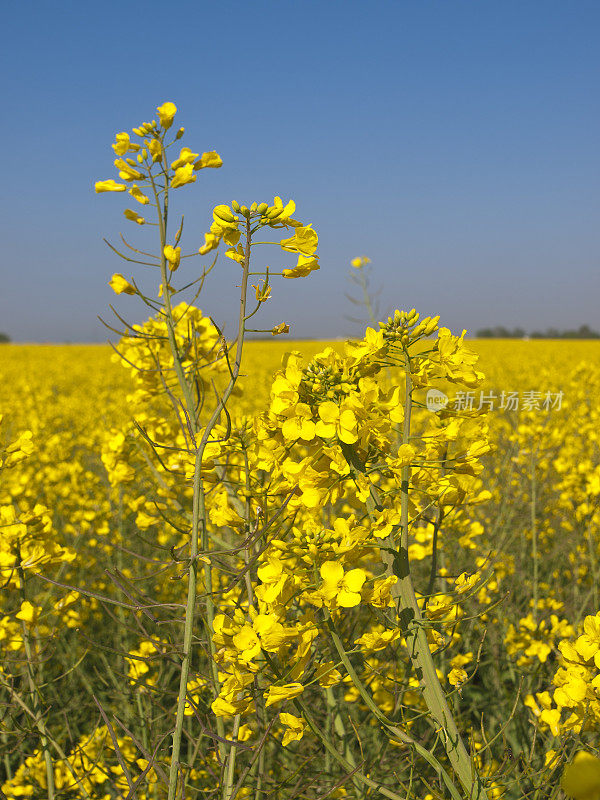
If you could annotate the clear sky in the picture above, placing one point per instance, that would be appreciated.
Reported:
(454, 142)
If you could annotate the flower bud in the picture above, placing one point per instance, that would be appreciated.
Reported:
(109, 186)
(236, 206)
(262, 208)
(432, 326)
(223, 212)
(179, 133)
(245, 211)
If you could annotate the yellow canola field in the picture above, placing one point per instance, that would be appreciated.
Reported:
(527, 655)
(81, 383)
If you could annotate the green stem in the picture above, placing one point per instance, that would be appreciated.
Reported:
(35, 695)
(199, 530)
(340, 759)
(44, 731)
(402, 735)
(367, 298)
(6, 759)
(411, 622)
(231, 758)
(534, 539)
(340, 730)
(592, 548)
(143, 720)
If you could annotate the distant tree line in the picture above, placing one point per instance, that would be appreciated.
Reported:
(4, 337)
(500, 332)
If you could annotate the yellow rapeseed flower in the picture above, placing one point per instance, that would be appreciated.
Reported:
(295, 728)
(211, 159)
(344, 588)
(134, 216)
(166, 112)
(29, 613)
(211, 242)
(182, 176)
(173, 256)
(335, 420)
(109, 186)
(120, 285)
(122, 144)
(304, 241)
(276, 694)
(185, 157)
(138, 195)
(581, 778)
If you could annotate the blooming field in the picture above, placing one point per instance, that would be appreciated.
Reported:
(512, 602)
(271, 570)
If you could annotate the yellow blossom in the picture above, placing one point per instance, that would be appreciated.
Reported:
(304, 241)
(464, 583)
(134, 216)
(211, 242)
(335, 420)
(29, 613)
(126, 171)
(122, 144)
(295, 728)
(109, 186)
(305, 265)
(588, 644)
(182, 176)
(173, 256)
(277, 694)
(185, 157)
(209, 160)
(343, 588)
(166, 112)
(138, 195)
(120, 285)
(581, 778)
(457, 676)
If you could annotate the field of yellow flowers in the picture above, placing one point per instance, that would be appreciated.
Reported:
(274, 569)
(513, 600)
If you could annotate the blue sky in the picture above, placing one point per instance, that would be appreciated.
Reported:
(454, 142)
